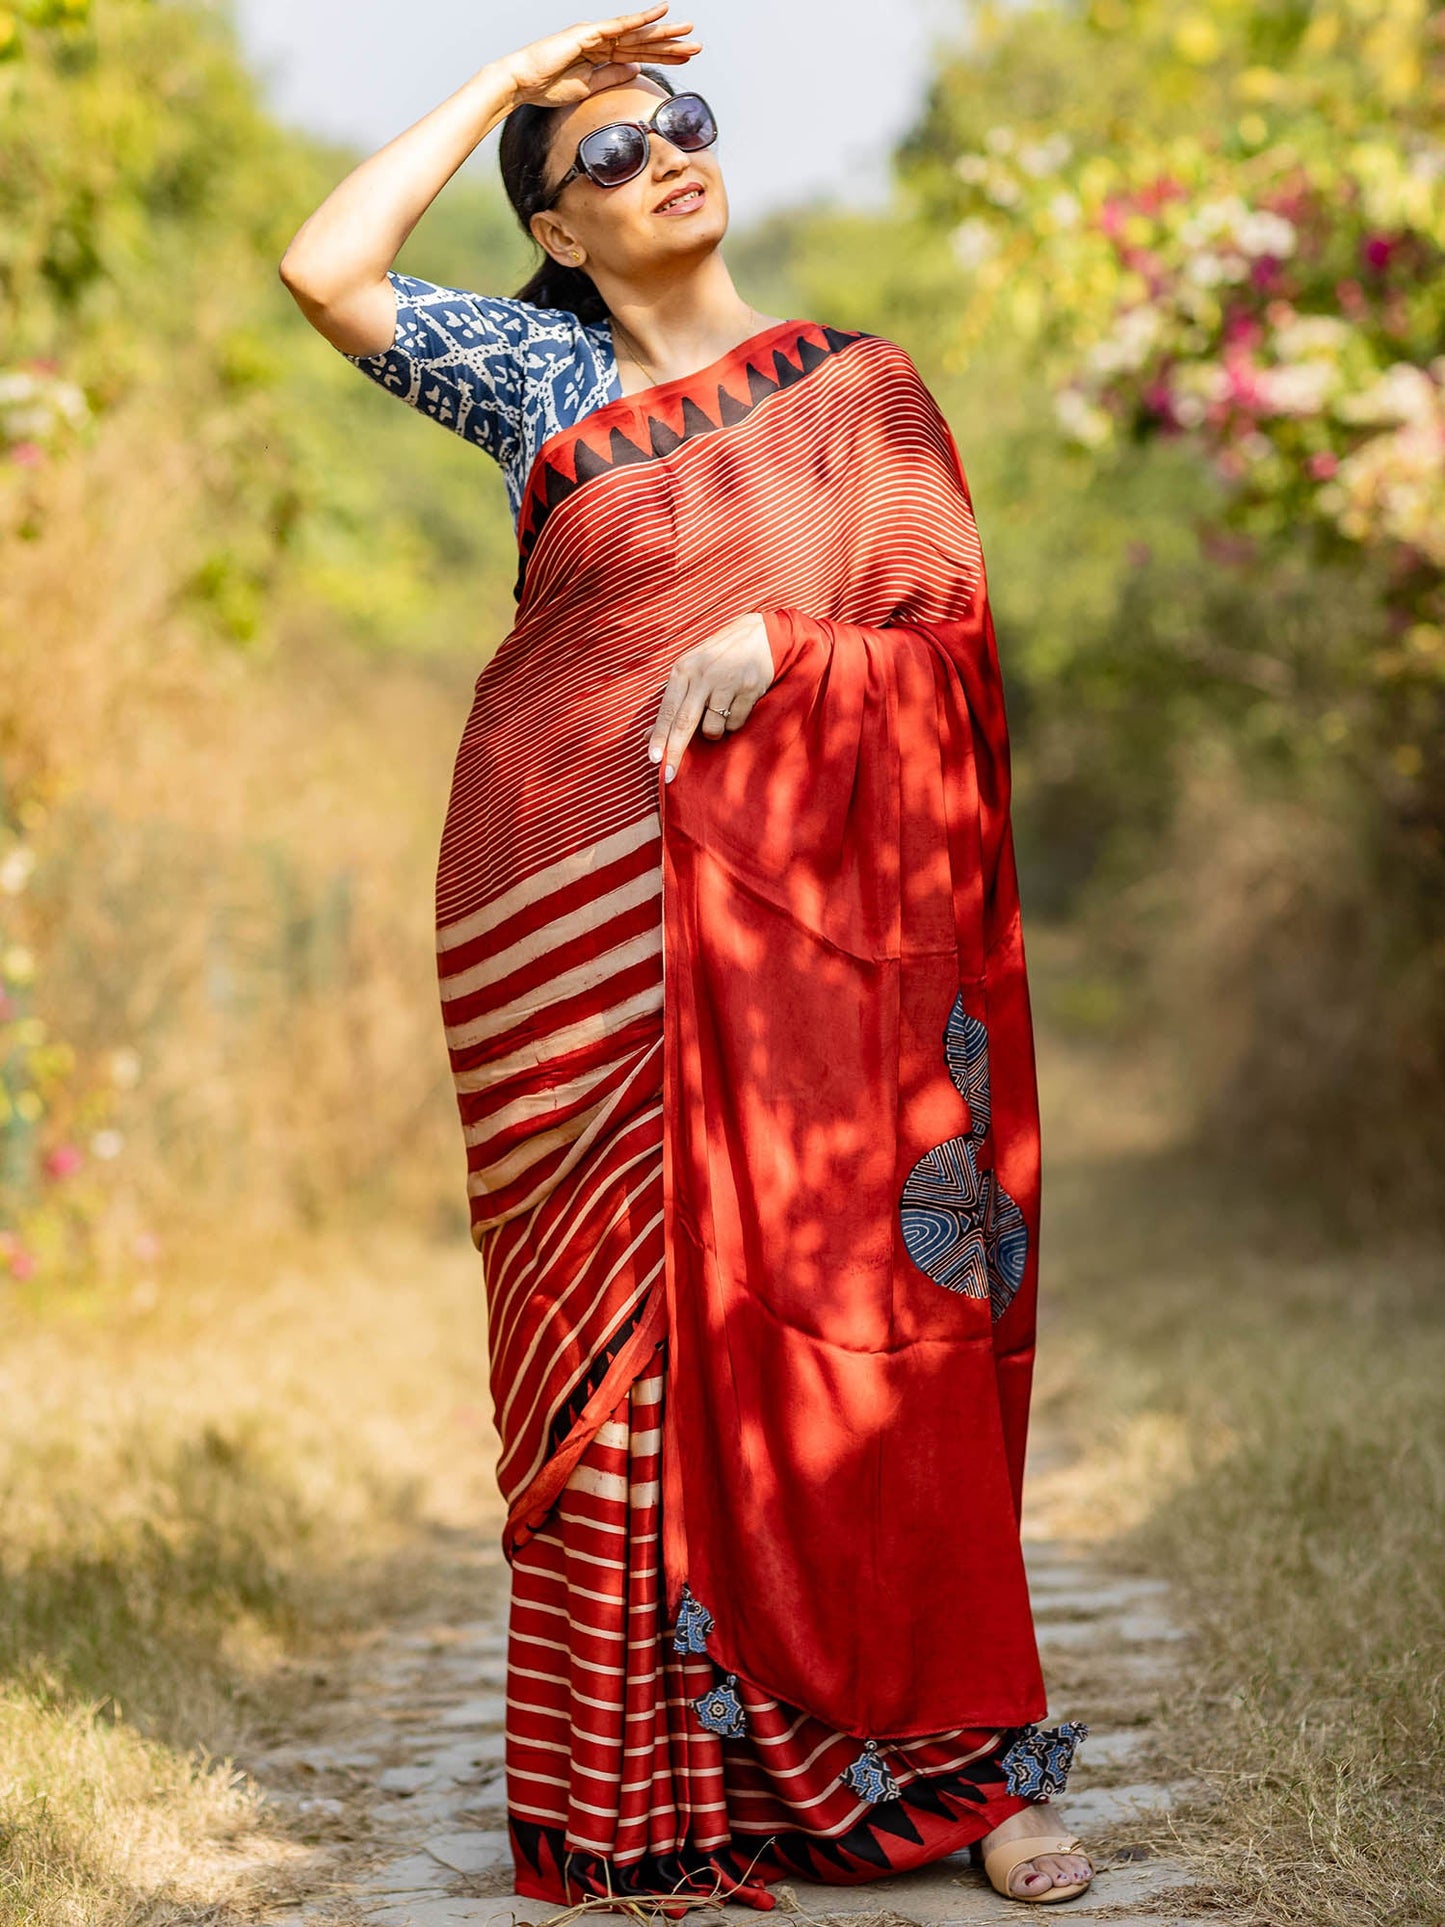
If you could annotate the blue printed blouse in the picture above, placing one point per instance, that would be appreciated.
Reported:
(496, 371)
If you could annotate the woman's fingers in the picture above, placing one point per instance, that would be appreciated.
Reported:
(717, 710)
(741, 707)
(634, 30)
(713, 687)
(621, 22)
(661, 56)
(667, 709)
(680, 711)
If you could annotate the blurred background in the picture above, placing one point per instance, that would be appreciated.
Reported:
(1174, 270)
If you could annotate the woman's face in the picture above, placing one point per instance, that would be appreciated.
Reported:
(675, 210)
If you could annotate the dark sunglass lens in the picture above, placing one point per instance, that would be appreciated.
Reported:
(614, 154)
(687, 122)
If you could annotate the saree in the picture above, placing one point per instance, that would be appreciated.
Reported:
(745, 1073)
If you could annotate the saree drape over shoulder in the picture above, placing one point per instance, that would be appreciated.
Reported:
(746, 1077)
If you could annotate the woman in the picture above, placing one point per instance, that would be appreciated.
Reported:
(735, 999)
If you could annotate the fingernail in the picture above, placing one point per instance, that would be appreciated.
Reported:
(654, 755)
(668, 774)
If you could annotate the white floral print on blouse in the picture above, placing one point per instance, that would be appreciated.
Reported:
(495, 370)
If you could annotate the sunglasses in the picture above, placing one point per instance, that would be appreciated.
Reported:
(619, 151)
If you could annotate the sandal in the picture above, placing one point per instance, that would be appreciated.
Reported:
(1000, 1861)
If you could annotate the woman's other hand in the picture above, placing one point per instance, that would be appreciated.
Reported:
(580, 60)
(712, 687)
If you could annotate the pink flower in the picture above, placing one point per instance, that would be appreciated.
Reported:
(1267, 274)
(1159, 401)
(44, 364)
(1376, 252)
(22, 1264)
(146, 1245)
(1166, 188)
(1352, 299)
(27, 454)
(63, 1162)
(1242, 329)
(1321, 466)
(7, 1006)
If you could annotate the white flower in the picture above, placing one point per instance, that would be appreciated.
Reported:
(1301, 388)
(1046, 156)
(1192, 387)
(16, 869)
(1211, 219)
(1263, 233)
(999, 140)
(124, 1069)
(1205, 270)
(1065, 209)
(1004, 191)
(107, 1144)
(1310, 334)
(973, 243)
(71, 401)
(18, 963)
(1403, 393)
(1078, 417)
(1135, 332)
(972, 168)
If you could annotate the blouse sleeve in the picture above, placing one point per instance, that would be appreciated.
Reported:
(458, 357)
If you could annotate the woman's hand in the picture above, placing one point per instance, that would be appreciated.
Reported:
(568, 66)
(714, 686)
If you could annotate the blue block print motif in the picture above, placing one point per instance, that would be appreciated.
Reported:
(721, 1711)
(694, 1623)
(494, 370)
(870, 1777)
(1037, 1764)
(959, 1224)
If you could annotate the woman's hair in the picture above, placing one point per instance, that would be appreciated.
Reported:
(526, 142)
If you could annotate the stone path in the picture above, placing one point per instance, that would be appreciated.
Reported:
(404, 1793)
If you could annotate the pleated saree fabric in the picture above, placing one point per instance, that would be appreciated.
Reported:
(745, 1073)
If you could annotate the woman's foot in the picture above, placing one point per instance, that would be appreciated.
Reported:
(1033, 1877)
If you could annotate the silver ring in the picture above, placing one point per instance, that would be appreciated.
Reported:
(719, 712)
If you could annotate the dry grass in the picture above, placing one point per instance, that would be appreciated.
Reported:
(204, 1507)
(236, 850)
(1254, 1398)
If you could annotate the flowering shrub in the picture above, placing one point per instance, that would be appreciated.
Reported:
(1266, 278)
(1224, 226)
(38, 411)
(57, 1124)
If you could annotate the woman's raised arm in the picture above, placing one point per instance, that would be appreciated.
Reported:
(336, 265)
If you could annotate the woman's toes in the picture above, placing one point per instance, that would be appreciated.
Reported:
(1063, 1869)
(1028, 1877)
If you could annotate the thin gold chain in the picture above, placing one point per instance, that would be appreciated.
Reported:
(650, 372)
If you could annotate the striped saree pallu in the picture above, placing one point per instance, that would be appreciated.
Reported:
(761, 1252)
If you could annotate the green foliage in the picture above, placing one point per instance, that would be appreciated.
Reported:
(1174, 269)
(284, 508)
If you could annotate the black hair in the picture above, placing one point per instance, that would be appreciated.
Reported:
(526, 145)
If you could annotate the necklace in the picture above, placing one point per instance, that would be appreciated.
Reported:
(650, 372)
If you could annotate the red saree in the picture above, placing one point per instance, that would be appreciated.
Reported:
(761, 1251)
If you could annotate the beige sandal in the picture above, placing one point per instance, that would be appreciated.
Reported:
(1000, 1861)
